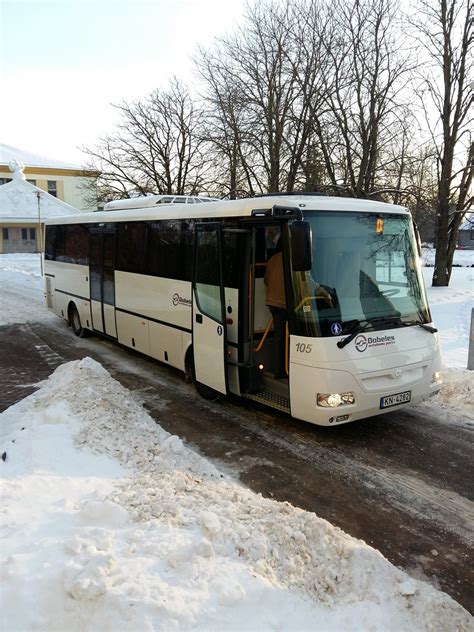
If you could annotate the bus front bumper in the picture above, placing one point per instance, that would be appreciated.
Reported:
(374, 393)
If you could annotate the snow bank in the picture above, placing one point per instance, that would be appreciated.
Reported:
(110, 523)
(23, 263)
(22, 296)
(457, 392)
(451, 311)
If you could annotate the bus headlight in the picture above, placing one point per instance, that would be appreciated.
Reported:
(436, 377)
(333, 400)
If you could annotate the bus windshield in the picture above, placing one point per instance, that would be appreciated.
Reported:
(365, 270)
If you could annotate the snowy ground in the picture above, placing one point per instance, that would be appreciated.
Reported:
(110, 523)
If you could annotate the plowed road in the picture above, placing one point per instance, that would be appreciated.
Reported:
(403, 482)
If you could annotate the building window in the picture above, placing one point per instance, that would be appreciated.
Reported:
(5, 233)
(5, 180)
(33, 233)
(24, 234)
(52, 188)
(33, 182)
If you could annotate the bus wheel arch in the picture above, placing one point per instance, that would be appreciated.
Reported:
(75, 320)
(188, 364)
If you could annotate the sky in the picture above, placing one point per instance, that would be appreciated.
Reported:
(63, 62)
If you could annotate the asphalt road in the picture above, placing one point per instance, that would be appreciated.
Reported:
(402, 482)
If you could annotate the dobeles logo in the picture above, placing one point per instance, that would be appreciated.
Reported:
(361, 343)
(179, 300)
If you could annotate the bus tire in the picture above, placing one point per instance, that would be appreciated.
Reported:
(75, 322)
(204, 391)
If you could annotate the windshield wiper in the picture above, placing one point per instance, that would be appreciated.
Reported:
(362, 326)
(429, 328)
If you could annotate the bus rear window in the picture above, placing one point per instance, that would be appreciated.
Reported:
(68, 244)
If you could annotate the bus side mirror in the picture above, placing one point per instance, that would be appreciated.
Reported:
(301, 246)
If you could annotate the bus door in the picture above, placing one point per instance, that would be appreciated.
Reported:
(208, 319)
(102, 283)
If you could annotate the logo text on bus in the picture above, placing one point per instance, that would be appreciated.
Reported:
(180, 300)
(364, 342)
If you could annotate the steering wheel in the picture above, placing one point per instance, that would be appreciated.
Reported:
(327, 299)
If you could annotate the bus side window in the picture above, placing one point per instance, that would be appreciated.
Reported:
(60, 244)
(50, 242)
(131, 247)
(170, 249)
(232, 259)
(187, 245)
(76, 247)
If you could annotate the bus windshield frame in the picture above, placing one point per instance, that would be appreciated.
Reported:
(365, 270)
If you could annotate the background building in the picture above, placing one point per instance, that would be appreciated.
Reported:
(466, 233)
(64, 181)
(23, 209)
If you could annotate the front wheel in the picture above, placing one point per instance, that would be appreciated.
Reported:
(75, 322)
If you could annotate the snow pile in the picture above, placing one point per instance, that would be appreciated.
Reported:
(451, 311)
(457, 392)
(111, 523)
(22, 296)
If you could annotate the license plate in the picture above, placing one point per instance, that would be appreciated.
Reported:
(394, 400)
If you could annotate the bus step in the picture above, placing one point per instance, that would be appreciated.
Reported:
(270, 399)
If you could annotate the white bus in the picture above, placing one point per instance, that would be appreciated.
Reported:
(185, 285)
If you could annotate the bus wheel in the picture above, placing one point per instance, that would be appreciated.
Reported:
(75, 322)
(204, 391)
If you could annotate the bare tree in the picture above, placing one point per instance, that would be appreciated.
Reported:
(225, 127)
(156, 148)
(445, 32)
(262, 85)
(364, 111)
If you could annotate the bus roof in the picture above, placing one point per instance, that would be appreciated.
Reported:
(233, 208)
(149, 201)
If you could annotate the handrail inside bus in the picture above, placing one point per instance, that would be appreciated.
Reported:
(260, 344)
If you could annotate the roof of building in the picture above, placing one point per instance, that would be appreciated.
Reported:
(468, 222)
(9, 154)
(19, 201)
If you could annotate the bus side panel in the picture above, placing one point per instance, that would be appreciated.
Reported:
(166, 300)
(62, 302)
(49, 284)
(96, 313)
(132, 331)
(71, 278)
(186, 342)
(109, 318)
(50, 287)
(233, 371)
(166, 345)
(66, 282)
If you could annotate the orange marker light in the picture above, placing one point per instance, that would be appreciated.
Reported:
(379, 225)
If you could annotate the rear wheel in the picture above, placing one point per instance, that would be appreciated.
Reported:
(75, 322)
